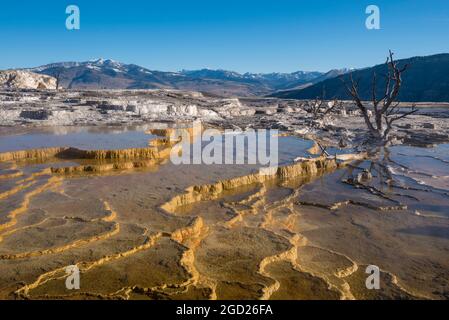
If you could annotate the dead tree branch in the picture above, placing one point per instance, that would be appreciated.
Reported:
(320, 108)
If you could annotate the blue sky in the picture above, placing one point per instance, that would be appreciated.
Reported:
(243, 35)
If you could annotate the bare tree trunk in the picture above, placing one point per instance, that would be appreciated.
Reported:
(384, 109)
(58, 78)
(320, 109)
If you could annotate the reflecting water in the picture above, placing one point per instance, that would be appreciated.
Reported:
(86, 138)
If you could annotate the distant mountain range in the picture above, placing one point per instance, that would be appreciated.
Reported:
(426, 80)
(110, 74)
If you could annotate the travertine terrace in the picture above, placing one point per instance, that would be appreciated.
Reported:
(139, 227)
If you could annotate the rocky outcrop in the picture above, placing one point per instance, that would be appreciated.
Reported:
(16, 79)
(229, 108)
(36, 114)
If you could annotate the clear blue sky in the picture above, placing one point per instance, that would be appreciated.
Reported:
(240, 35)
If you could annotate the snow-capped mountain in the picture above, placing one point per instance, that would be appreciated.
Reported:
(96, 64)
(274, 81)
(110, 74)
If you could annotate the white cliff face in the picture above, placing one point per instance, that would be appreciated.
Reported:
(17, 79)
(65, 107)
(156, 108)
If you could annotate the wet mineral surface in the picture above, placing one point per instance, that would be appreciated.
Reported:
(137, 226)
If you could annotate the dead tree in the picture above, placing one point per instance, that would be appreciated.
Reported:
(58, 79)
(385, 110)
(57, 83)
(57, 74)
(320, 108)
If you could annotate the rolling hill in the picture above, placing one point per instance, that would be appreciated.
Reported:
(426, 80)
(110, 74)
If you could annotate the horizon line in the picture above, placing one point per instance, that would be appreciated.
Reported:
(213, 69)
